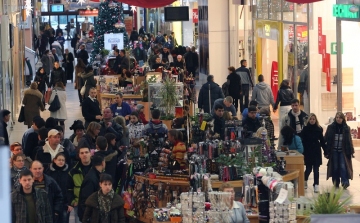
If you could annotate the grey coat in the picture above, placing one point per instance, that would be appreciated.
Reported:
(48, 63)
(61, 113)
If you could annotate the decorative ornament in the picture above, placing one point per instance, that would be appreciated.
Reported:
(28, 7)
(119, 25)
(81, 2)
(112, 4)
(133, 8)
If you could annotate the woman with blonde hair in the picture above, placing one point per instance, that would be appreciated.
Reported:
(313, 141)
(339, 151)
(89, 139)
(125, 141)
(33, 103)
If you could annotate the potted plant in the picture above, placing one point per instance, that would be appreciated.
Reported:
(169, 100)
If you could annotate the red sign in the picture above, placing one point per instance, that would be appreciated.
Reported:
(274, 79)
(320, 35)
(88, 12)
(326, 70)
(322, 44)
(195, 16)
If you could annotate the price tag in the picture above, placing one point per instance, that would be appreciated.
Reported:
(203, 126)
(282, 196)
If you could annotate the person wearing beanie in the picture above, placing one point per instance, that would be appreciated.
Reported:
(4, 136)
(140, 111)
(252, 123)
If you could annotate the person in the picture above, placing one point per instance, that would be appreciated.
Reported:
(79, 132)
(227, 104)
(295, 118)
(155, 125)
(89, 139)
(91, 108)
(120, 107)
(209, 92)
(191, 61)
(83, 54)
(60, 38)
(91, 182)
(60, 115)
(246, 83)
(42, 79)
(68, 64)
(51, 148)
(108, 125)
(18, 165)
(56, 45)
(104, 205)
(234, 82)
(44, 41)
(33, 103)
(109, 155)
(140, 109)
(37, 142)
(5, 115)
(238, 213)
(47, 183)
(175, 137)
(219, 122)
(125, 63)
(291, 139)
(139, 53)
(269, 125)
(88, 79)
(57, 75)
(166, 56)
(116, 66)
(135, 128)
(173, 39)
(66, 143)
(128, 79)
(77, 175)
(284, 97)
(157, 63)
(142, 30)
(31, 133)
(339, 151)
(79, 69)
(59, 171)
(313, 140)
(16, 148)
(58, 30)
(179, 62)
(262, 93)
(30, 204)
(134, 36)
(159, 38)
(50, 123)
(252, 123)
(47, 61)
(246, 110)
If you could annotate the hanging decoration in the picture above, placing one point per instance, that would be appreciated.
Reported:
(81, 2)
(28, 7)
(133, 8)
(119, 25)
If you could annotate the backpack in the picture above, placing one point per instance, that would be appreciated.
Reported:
(225, 89)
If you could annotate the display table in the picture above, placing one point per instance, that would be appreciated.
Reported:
(296, 162)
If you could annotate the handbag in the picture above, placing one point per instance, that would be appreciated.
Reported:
(55, 104)
(47, 95)
(83, 89)
(22, 114)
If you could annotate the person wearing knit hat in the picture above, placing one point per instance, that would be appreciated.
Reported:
(5, 115)
(141, 112)
(252, 123)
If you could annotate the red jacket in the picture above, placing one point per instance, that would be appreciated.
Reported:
(142, 118)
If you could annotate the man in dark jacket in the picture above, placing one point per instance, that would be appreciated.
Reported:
(91, 182)
(91, 108)
(125, 63)
(44, 41)
(116, 66)
(108, 125)
(252, 123)
(155, 126)
(246, 82)
(83, 54)
(219, 121)
(210, 88)
(57, 75)
(110, 157)
(5, 115)
(139, 53)
(134, 35)
(30, 137)
(30, 204)
(45, 182)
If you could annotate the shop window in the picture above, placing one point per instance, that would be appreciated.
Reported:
(301, 13)
(263, 9)
(288, 11)
(275, 9)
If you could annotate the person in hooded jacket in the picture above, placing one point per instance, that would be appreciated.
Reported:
(88, 79)
(155, 125)
(262, 93)
(284, 97)
(59, 171)
(57, 75)
(204, 101)
(42, 79)
(234, 82)
(109, 155)
(32, 102)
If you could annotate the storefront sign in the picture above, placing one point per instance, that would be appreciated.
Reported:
(87, 12)
(114, 39)
(274, 79)
(195, 16)
(320, 34)
(267, 30)
(334, 50)
(326, 70)
(322, 44)
(345, 12)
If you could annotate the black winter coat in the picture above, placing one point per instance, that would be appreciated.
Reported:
(43, 155)
(110, 157)
(87, 142)
(234, 82)
(88, 187)
(313, 140)
(89, 82)
(43, 80)
(61, 176)
(252, 125)
(4, 133)
(57, 75)
(83, 54)
(219, 126)
(90, 109)
(215, 93)
(284, 97)
(54, 194)
(115, 129)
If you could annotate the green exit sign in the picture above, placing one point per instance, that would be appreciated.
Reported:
(343, 11)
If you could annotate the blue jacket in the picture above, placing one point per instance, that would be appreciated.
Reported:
(296, 144)
(245, 114)
(124, 110)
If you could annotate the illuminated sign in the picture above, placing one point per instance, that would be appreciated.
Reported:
(345, 12)
(267, 30)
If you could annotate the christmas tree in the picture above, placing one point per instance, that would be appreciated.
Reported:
(110, 20)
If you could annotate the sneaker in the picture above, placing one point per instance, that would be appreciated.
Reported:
(305, 184)
(316, 189)
(345, 185)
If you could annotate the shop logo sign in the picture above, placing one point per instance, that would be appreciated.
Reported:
(267, 30)
(343, 11)
(334, 49)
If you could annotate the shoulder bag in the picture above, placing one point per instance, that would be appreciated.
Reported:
(55, 104)
(83, 89)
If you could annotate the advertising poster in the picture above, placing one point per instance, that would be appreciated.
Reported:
(203, 36)
(114, 39)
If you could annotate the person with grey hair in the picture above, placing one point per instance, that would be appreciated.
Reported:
(56, 58)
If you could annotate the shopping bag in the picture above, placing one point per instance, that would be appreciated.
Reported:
(22, 114)
(83, 89)
(47, 95)
(55, 104)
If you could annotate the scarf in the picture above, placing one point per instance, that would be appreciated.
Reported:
(297, 121)
(105, 205)
(17, 175)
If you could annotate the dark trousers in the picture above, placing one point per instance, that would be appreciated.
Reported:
(236, 103)
(191, 70)
(315, 169)
(339, 168)
(80, 96)
(244, 97)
